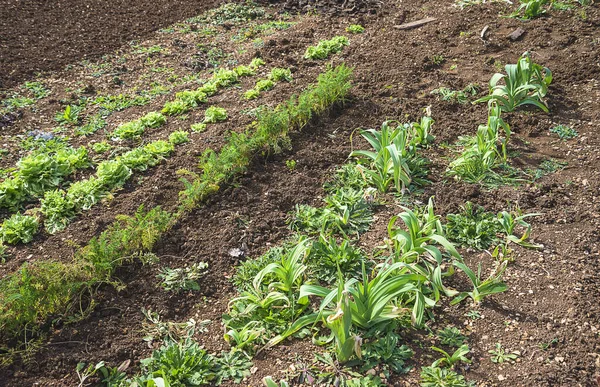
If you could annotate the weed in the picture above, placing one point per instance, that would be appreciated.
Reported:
(473, 314)
(458, 96)
(355, 29)
(94, 124)
(183, 278)
(547, 167)
(452, 337)
(452, 360)
(70, 115)
(18, 229)
(385, 352)
(325, 48)
(234, 365)
(327, 257)
(499, 355)
(473, 227)
(291, 164)
(564, 132)
(437, 59)
(525, 83)
(38, 89)
(434, 376)
(231, 13)
(346, 211)
(179, 363)
(552, 343)
(247, 270)
(179, 137)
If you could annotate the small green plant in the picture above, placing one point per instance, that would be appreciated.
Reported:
(198, 127)
(279, 74)
(234, 365)
(473, 227)
(325, 48)
(269, 382)
(153, 120)
(183, 278)
(452, 360)
(499, 355)
(458, 96)
(179, 137)
(251, 94)
(95, 123)
(264, 85)
(385, 352)
(129, 130)
(180, 364)
(101, 147)
(530, 9)
(525, 83)
(355, 29)
(327, 256)
(564, 132)
(437, 59)
(214, 114)
(452, 337)
(550, 344)
(441, 377)
(19, 229)
(111, 376)
(70, 115)
(291, 164)
(481, 287)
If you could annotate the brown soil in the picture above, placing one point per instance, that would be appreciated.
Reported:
(553, 292)
(40, 36)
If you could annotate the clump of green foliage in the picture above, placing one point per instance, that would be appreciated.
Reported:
(18, 229)
(485, 152)
(473, 227)
(452, 337)
(355, 29)
(95, 123)
(101, 147)
(530, 9)
(564, 132)
(325, 48)
(525, 83)
(179, 137)
(231, 13)
(40, 172)
(70, 115)
(185, 278)
(436, 377)
(279, 74)
(394, 160)
(458, 96)
(214, 114)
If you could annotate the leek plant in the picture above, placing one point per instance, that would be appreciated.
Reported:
(525, 83)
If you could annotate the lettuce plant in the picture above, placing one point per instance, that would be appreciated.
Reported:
(19, 229)
(325, 48)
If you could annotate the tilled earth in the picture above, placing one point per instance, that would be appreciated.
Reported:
(553, 292)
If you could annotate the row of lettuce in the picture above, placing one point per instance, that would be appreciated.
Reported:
(41, 175)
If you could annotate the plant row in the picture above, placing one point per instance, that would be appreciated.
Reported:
(52, 290)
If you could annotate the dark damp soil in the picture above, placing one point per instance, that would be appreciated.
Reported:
(552, 292)
(38, 36)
